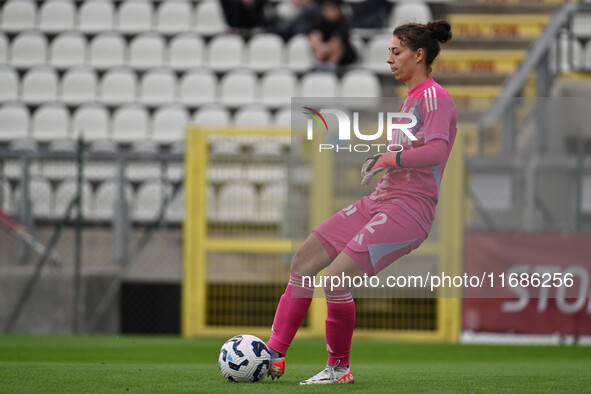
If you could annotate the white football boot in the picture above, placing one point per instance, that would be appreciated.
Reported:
(332, 374)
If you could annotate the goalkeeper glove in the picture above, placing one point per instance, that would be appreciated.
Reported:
(379, 162)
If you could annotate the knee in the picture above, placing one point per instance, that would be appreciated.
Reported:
(307, 263)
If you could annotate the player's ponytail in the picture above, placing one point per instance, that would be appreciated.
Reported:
(426, 36)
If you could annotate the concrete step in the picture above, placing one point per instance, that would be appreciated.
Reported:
(504, 6)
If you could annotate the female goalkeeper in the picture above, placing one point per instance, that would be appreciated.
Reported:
(395, 219)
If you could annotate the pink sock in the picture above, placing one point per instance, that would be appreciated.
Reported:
(292, 309)
(340, 324)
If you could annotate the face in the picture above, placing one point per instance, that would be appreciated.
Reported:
(403, 61)
(332, 12)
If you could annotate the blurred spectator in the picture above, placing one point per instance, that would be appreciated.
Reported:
(244, 14)
(371, 14)
(330, 38)
(300, 18)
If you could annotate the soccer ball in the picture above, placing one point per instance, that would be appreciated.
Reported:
(244, 358)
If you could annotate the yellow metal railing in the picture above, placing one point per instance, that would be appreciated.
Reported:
(200, 245)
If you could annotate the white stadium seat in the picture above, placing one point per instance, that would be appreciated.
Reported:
(51, 122)
(118, 86)
(283, 118)
(377, 54)
(3, 49)
(211, 203)
(134, 16)
(92, 121)
(40, 196)
(360, 83)
(66, 191)
(68, 50)
(587, 56)
(147, 201)
(39, 85)
(169, 123)
(581, 25)
(18, 15)
(175, 212)
(405, 12)
(278, 87)
(6, 201)
(14, 122)
(238, 88)
(107, 50)
(106, 197)
(212, 116)
(226, 52)
(264, 52)
(186, 51)
(79, 85)
(570, 51)
(299, 53)
(198, 87)
(237, 203)
(9, 84)
(272, 203)
(254, 116)
(209, 18)
(96, 16)
(146, 51)
(28, 49)
(57, 16)
(130, 123)
(173, 17)
(158, 86)
(319, 84)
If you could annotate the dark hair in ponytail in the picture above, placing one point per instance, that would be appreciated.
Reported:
(426, 36)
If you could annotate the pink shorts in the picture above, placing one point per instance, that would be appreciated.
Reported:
(372, 233)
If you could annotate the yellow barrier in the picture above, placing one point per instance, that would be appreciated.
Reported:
(233, 274)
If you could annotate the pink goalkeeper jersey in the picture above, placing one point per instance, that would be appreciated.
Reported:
(417, 189)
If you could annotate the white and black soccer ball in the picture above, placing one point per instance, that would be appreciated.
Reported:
(244, 358)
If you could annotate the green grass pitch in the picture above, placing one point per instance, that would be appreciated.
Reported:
(34, 364)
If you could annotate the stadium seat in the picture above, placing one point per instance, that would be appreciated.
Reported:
(264, 52)
(211, 203)
(570, 53)
(106, 197)
(494, 191)
(148, 199)
(146, 51)
(377, 53)
(64, 194)
(9, 84)
(169, 123)
(587, 56)
(100, 170)
(3, 49)
(92, 120)
(57, 16)
(39, 85)
(236, 203)
(79, 86)
(319, 84)
(18, 15)
(51, 122)
(175, 212)
(226, 52)
(40, 195)
(411, 11)
(360, 83)
(130, 123)
(28, 49)
(68, 50)
(96, 16)
(252, 116)
(581, 25)
(143, 170)
(118, 86)
(238, 88)
(134, 16)
(272, 203)
(158, 86)
(209, 18)
(299, 53)
(6, 201)
(278, 87)
(107, 50)
(14, 122)
(173, 17)
(186, 51)
(198, 87)
(586, 195)
(282, 118)
(212, 116)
